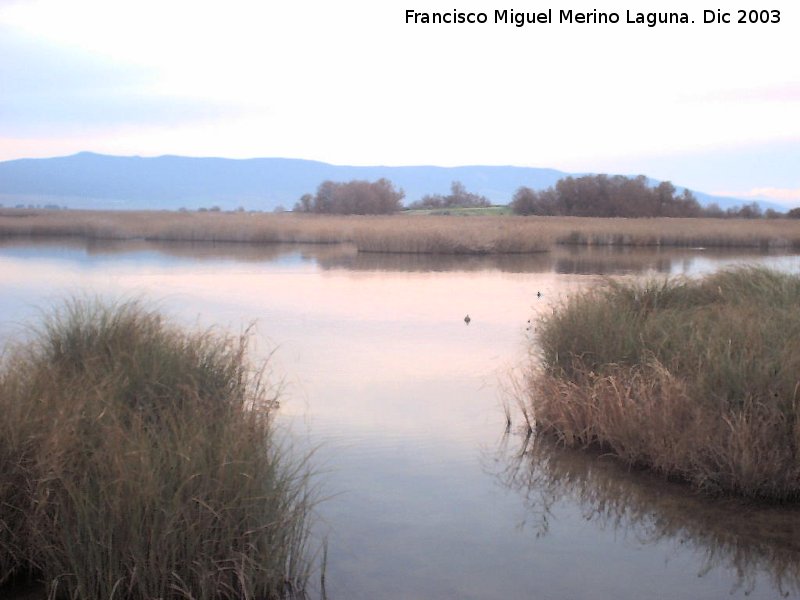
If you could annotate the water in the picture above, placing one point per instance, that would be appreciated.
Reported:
(427, 497)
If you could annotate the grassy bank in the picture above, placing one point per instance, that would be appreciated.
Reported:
(406, 233)
(139, 461)
(697, 379)
(480, 211)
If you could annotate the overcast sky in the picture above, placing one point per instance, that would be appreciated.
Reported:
(715, 107)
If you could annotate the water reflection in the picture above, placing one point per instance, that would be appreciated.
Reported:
(383, 375)
(565, 260)
(193, 251)
(759, 544)
(508, 263)
(614, 261)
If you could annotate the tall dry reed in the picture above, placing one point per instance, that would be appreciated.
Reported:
(407, 233)
(140, 461)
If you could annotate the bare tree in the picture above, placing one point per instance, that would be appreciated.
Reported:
(352, 198)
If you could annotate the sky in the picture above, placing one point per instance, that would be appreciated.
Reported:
(711, 106)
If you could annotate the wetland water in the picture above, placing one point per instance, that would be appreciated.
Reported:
(403, 402)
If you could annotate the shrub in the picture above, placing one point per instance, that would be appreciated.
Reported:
(696, 379)
(140, 461)
(352, 198)
(458, 197)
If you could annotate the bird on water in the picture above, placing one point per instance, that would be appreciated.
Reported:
(467, 319)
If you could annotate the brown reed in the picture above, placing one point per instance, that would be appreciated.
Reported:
(405, 232)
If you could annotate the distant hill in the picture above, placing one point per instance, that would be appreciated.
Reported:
(97, 181)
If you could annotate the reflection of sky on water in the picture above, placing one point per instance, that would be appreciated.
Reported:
(402, 399)
(759, 544)
(701, 264)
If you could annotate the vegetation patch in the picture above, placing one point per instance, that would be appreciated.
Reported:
(352, 198)
(140, 461)
(458, 198)
(461, 212)
(630, 197)
(485, 232)
(697, 379)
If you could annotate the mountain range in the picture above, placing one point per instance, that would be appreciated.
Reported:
(97, 181)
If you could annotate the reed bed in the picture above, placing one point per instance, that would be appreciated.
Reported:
(451, 235)
(697, 379)
(682, 232)
(405, 233)
(140, 461)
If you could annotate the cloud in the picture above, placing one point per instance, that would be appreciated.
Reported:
(780, 92)
(351, 84)
(783, 195)
(788, 197)
(30, 65)
(56, 89)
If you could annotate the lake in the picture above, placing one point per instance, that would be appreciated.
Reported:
(426, 494)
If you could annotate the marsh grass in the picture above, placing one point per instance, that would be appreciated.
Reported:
(405, 233)
(140, 461)
(697, 379)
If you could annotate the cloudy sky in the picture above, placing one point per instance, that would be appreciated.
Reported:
(715, 107)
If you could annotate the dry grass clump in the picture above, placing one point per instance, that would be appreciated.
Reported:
(696, 379)
(139, 461)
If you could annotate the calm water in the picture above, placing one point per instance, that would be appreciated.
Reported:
(403, 401)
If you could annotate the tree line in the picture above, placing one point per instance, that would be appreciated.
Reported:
(585, 196)
(606, 196)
